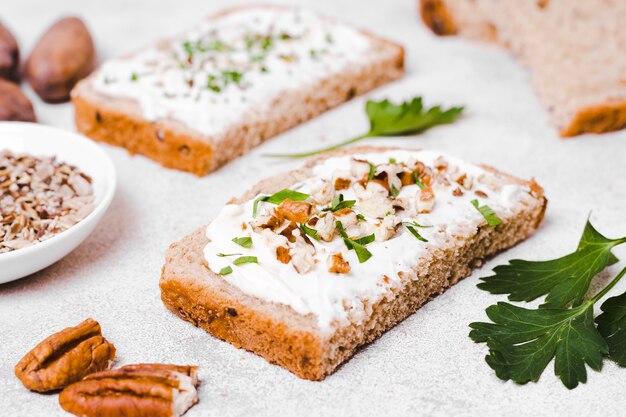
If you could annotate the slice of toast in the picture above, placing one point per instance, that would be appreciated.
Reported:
(244, 75)
(572, 49)
(308, 304)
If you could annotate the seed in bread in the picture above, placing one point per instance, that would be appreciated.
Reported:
(203, 98)
(364, 259)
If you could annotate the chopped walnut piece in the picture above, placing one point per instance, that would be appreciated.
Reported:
(297, 211)
(268, 220)
(480, 193)
(302, 257)
(457, 192)
(342, 184)
(373, 201)
(338, 265)
(387, 228)
(390, 172)
(426, 200)
(406, 178)
(359, 168)
(282, 254)
(325, 227)
(324, 193)
(287, 230)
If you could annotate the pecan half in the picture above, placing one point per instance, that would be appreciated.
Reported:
(142, 390)
(65, 357)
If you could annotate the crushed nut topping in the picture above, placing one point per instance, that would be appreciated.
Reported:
(338, 265)
(40, 198)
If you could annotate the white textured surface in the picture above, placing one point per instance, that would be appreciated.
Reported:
(425, 366)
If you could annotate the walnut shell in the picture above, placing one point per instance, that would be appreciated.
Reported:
(65, 357)
(64, 55)
(142, 390)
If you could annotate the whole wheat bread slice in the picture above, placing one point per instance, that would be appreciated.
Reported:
(275, 331)
(120, 121)
(573, 49)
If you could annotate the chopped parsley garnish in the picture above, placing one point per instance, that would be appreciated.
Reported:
(278, 198)
(411, 227)
(134, 76)
(339, 203)
(246, 260)
(245, 242)
(488, 213)
(394, 191)
(357, 245)
(226, 270)
(309, 231)
(360, 218)
(224, 255)
(392, 160)
(389, 119)
(372, 171)
(416, 180)
(231, 77)
(522, 342)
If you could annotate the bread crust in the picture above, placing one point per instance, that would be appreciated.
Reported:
(120, 122)
(282, 336)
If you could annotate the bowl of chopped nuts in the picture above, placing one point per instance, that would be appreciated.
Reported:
(55, 186)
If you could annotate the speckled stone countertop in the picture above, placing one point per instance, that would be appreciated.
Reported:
(426, 365)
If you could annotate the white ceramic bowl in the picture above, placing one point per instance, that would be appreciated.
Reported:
(77, 150)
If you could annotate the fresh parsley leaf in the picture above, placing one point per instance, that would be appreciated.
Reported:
(226, 270)
(357, 245)
(339, 203)
(612, 326)
(394, 191)
(523, 341)
(415, 233)
(246, 242)
(372, 172)
(309, 231)
(134, 76)
(389, 119)
(246, 260)
(564, 280)
(416, 180)
(360, 218)
(278, 198)
(488, 213)
(224, 255)
(392, 160)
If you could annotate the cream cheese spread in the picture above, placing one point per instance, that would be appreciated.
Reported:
(230, 68)
(438, 208)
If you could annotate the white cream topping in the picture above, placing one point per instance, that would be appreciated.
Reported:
(230, 68)
(335, 298)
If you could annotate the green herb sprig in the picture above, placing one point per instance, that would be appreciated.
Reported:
(338, 203)
(523, 341)
(358, 245)
(278, 198)
(389, 119)
(488, 213)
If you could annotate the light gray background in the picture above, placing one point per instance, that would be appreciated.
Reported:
(425, 366)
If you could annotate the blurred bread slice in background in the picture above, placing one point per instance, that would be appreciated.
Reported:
(573, 49)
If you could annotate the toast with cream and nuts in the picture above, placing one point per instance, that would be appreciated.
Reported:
(244, 75)
(309, 265)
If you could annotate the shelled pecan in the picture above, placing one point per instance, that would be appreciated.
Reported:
(65, 357)
(142, 390)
